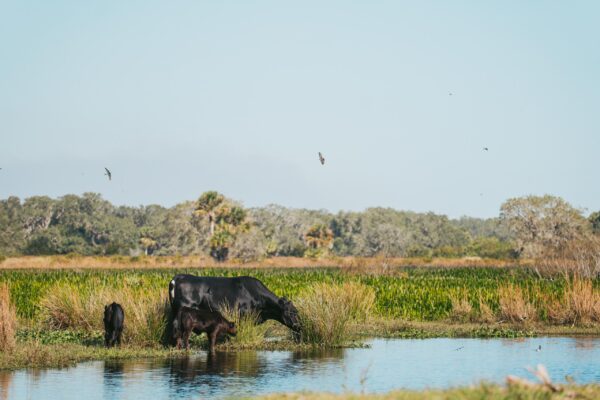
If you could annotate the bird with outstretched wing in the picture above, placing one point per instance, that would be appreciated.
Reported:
(321, 158)
(108, 173)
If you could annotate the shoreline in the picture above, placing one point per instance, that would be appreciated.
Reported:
(58, 349)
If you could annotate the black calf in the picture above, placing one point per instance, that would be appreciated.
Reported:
(190, 320)
(114, 317)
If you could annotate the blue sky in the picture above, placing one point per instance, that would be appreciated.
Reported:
(181, 97)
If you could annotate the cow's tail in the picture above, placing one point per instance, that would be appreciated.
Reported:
(171, 291)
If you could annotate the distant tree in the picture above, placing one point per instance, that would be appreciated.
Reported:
(491, 247)
(542, 223)
(319, 239)
(226, 220)
(284, 228)
(209, 205)
(249, 246)
(182, 231)
(12, 235)
(148, 244)
(594, 219)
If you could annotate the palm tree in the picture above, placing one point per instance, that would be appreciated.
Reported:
(209, 205)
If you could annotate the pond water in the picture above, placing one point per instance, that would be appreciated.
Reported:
(388, 364)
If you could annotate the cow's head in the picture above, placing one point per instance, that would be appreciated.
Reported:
(289, 315)
(231, 328)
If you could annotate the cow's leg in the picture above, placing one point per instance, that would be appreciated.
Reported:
(106, 340)
(119, 333)
(212, 337)
(186, 339)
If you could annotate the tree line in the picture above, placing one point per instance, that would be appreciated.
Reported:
(223, 228)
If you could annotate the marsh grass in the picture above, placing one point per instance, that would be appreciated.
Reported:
(8, 320)
(462, 310)
(579, 305)
(326, 310)
(514, 307)
(35, 354)
(249, 332)
(477, 392)
(146, 312)
(486, 315)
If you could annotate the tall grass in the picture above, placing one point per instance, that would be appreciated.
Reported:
(416, 294)
(8, 320)
(514, 307)
(579, 305)
(326, 310)
(462, 310)
(145, 311)
(249, 331)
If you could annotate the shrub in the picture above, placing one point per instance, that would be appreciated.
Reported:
(580, 304)
(326, 310)
(249, 331)
(485, 313)
(360, 299)
(8, 320)
(513, 305)
(461, 309)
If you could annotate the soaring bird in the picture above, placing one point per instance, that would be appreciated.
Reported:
(107, 173)
(450, 94)
(539, 348)
(485, 148)
(321, 158)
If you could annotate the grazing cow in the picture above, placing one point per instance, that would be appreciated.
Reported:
(244, 293)
(191, 320)
(114, 317)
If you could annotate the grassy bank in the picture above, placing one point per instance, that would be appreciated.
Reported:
(488, 392)
(59, 312)
(408, 293)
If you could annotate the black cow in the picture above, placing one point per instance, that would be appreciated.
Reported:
(245, 293)
(114, 317)
(192, 320)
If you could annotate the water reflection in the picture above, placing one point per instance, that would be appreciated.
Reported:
(387, 365)
(5, 380)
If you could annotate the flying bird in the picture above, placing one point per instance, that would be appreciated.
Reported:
(539, 348)
(107, 173)
(460, 348)
(485, 148)
(450, 94)
(321, 158)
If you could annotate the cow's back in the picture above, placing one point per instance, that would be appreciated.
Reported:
(211, 292)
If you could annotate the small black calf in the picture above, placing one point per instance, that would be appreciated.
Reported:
(114, 317)
(190, 320)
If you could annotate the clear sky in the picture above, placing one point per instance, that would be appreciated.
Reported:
(177, 98)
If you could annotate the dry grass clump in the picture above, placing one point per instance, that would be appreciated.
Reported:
(486, 314)
(462, 310)
(249, 331)
(514, 307)
(326, 310)
(360, 299)
(580, 304)
(145, 311)
(8, 320)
